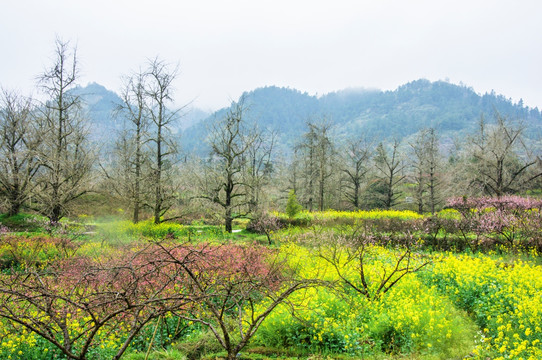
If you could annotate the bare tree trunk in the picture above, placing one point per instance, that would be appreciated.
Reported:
(158, 178)
(137, 180)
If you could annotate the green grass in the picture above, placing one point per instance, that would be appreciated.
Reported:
(23, 222)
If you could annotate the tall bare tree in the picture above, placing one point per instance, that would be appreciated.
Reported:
(317, 153)
(224, 183)
(128, 174)
(159, 90)
(19, 141)
(389, 165)
(357, 154)
(427, 164)
(259, 166)
(305, 158)
(65, 158)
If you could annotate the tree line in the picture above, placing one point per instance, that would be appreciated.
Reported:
(47, 161)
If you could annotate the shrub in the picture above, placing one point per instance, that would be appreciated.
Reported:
(511, 222)
(292, 206)
(265, 224)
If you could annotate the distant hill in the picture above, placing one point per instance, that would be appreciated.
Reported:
(100, 105)
(380, 115)
(453, 110)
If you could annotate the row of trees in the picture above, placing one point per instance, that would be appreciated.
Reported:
(418, 173)
(48, 163)
(47, 160)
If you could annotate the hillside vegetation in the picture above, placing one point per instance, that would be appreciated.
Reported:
(452, 110)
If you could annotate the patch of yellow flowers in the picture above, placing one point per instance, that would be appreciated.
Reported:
(506, 299)
(411, 318)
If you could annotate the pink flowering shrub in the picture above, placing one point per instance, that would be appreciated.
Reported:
(509, 221)
(74, 302)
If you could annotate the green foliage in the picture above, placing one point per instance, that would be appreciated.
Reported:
(23, 222)
(505, 299)
(379, 115)
(170, 354)
(292, 206)
(411, 318)
(151, 230)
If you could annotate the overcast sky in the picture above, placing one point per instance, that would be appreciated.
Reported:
(226, 47)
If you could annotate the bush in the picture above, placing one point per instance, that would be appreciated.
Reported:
(292, 206)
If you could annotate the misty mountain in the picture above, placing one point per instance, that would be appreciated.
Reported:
(99, 104)
(453, 110)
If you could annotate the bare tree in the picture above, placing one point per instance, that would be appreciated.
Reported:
(128, 173)
(159, 90)
(64, 155)
(123, 177)
(19, 141)
(355, 251)
(259, 166)
(389, 166)
(236, 289)
(357, 154)
(495, 166)
(128, 292)
(305, 158)
(317, 154)
(224, 183)
(426, 162)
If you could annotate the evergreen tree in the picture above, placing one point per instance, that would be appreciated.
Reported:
(292, 206)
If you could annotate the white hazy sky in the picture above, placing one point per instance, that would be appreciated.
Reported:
(225, 47)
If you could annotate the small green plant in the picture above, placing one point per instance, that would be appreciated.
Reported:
(292, 206)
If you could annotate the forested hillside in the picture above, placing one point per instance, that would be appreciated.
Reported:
(450, 109)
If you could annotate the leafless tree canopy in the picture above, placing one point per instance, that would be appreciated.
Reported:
(65, 157)
(226, 183)
(20, 138)
(494, 164)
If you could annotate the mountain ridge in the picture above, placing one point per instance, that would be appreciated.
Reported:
(453, 110)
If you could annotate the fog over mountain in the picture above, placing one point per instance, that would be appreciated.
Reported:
(453, 110)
